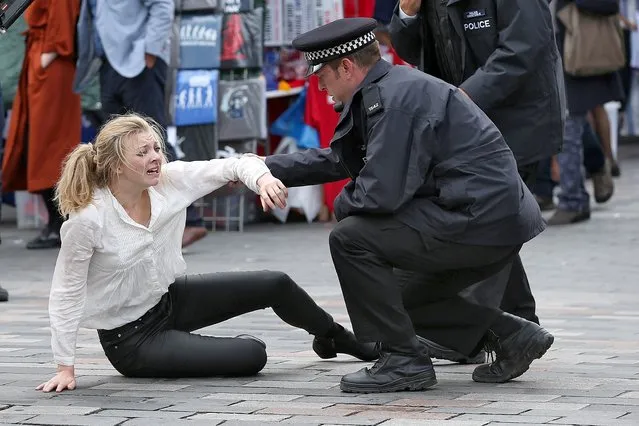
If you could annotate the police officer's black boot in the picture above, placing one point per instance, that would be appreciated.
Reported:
(340, 340)
(399, 368)
(516, 343)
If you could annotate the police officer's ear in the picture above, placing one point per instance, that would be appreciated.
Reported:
(348, 65)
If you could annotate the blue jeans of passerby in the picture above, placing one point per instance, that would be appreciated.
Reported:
(594, 160)
(573, 195)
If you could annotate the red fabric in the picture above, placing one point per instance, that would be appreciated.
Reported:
(359, 8)
(320, 115)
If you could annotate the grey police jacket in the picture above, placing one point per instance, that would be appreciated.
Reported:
(511, 66)
(416, 148)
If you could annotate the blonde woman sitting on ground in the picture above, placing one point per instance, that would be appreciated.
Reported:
(120, 268)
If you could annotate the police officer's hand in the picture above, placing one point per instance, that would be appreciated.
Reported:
(410, 7)
(273, 193)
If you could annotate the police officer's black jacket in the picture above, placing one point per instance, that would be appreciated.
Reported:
(511, 67)
(416, 148)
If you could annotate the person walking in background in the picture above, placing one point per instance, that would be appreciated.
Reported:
(46, 116)
(128, 43)
(584, 94)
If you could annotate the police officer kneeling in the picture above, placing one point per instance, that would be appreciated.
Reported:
(434, 189)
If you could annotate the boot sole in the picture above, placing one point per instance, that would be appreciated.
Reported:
(416, 383)
(532, 353)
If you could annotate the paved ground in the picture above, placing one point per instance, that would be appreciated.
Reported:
(584, 278)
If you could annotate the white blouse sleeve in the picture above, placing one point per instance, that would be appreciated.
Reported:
(200, 178)
(68, 289)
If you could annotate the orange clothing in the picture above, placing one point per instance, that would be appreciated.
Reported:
(46, 115)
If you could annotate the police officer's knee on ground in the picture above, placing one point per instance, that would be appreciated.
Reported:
(434, 190)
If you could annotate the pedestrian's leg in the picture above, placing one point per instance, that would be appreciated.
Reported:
(49, 238)
(594, 157)
(597, 166)
(574, 203)
(111, 84)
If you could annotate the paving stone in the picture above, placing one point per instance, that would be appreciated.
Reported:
(291, 385)
(76, 420)
(478, 410)
(325, 421)
(457, 402)
(301, 411)
(143, 387)
(507, 419)
(512, 424)
(252, 397)
(591, 421)
(508, 397)
(63, 410)
(171, 422)
(200, 406)
(388, 415)
(144, 414)
(7, 418)
(155, 394)
(245, 417)
(409, 422)
(595, 415)
(259, 405)
(553, 406)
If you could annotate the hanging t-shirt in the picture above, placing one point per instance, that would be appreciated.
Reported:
(242, 40)
(359, 8)
(196, 97)
(242, 111)
(199, 41)
(319, 114)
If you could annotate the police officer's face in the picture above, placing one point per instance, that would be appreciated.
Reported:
(333, 78)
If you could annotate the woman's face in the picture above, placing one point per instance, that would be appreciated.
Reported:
(143, 161)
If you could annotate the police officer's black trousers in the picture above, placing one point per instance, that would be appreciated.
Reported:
(510, 288)
(367, 250)
(160, 343)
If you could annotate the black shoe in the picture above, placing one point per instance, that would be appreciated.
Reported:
(393, 372)
(48, 239)
(344, 342)
(441, 352)
(253, 338)
(614, 169)
(514, 353)
(4, 295)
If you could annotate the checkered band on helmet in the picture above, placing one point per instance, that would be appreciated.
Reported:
(324, 55)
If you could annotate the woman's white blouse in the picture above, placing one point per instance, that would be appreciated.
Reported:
(110, 270)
